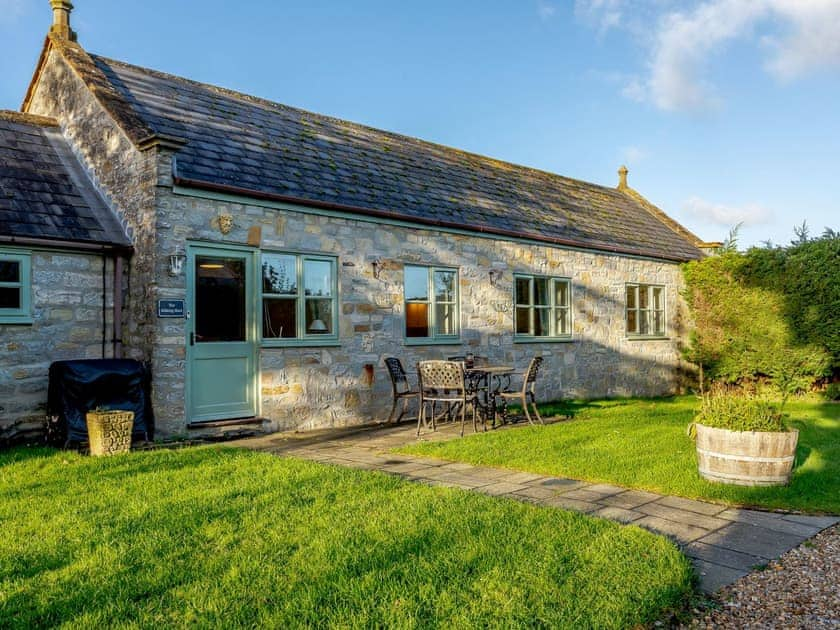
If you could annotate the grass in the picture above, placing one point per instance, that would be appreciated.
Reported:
(225, 537)
(642, 443)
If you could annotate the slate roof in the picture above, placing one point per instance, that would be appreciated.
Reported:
(246, 145)
(44, 190)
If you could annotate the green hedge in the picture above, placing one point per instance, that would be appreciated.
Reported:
(770, 312)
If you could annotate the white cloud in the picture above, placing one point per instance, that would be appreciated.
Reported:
(633, 155)
(604, 14)
(813, 40)
(545, 10)
(798, 36)
(720, 214)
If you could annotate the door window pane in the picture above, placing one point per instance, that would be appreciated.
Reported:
(279, 274)
(318, 280)
(417, 319)
(319, 317)
(9, 271)
(220, 299)
(279, 319)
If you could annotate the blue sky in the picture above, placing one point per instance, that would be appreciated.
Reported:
(724, 110)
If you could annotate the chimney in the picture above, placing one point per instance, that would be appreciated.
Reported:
(61, 20)
(622, 177)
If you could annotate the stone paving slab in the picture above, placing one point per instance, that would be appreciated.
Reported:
(723, 543)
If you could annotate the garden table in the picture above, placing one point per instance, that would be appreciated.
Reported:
(487, 380)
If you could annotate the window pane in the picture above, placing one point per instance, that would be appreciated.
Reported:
(445, 286)
(319, 320)
(643, 297)
(657, 298)
(279, 319)
(417, 320)
(632, 320)
(523, 321)
(523, 290)
(561, 293)
(631, 297)
(541, 291)
(416, 284)
(220, 299)
(279, 274)
(9, 297)
(644, 323)
(659, 322)
(9, 271)
(541, 322)
(317, 278)
(562, 321)
(445, 323)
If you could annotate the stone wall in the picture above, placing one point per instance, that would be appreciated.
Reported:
(124, 175)
(67, 305)
(328, 386)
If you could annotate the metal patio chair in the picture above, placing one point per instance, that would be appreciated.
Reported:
(444, 381)
(401, 389)
(527, 394)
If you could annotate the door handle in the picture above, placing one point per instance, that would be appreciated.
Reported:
(192, 338)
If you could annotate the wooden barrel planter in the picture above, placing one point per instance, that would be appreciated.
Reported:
(746, 458)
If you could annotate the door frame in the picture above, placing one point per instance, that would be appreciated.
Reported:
(252, 324)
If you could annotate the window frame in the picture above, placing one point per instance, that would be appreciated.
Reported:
(552, 308)
(23, 313)
(648, 313)
(301, 338)
(434, 339)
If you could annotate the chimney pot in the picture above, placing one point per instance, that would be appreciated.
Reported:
(622, 177)
(61, 20)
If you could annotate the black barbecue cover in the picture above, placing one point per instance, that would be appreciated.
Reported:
(77, 387)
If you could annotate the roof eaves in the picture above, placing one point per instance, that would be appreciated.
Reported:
(660, 214)
(426, 222)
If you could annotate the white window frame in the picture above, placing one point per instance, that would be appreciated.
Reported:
(23, 313)
(432, 302)
(552, 307)
(302, 337)
(647, 313)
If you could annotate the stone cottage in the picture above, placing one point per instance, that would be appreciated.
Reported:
(268, 258)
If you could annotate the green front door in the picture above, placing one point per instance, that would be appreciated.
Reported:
(221, 334)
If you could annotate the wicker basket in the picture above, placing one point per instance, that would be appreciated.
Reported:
(109, 432)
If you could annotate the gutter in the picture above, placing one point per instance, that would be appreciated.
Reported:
(396, 216)
(125, 250)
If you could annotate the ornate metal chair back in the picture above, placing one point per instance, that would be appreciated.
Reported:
(441, 377)
(531, 374)
(399, 380)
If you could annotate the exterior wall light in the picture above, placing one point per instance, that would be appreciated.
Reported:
(377, 267)
(176, 263)
(495, 274)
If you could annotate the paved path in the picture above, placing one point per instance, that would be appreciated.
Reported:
(724, 543)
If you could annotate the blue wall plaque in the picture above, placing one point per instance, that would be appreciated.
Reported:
(170, 308)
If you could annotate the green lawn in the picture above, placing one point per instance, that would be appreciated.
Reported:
(643, 444)
(225, 537)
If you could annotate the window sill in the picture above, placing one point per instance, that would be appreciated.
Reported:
(544, 340)
(301, 343)
(426, 341)
(647, 338)
(16, 320)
